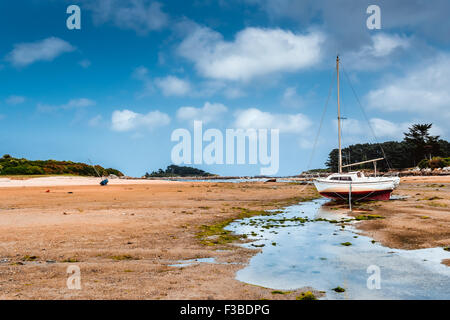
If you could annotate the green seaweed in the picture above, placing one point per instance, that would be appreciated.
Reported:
(216, 234)
(30, 258)
(258, 245)
(368, 217)
(308, 295)
(124, 257)
(280, 292)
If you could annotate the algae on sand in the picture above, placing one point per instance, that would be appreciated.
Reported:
(308, 295)
(124, 257)
(339, 289)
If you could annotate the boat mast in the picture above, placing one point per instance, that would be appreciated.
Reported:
(339, 117)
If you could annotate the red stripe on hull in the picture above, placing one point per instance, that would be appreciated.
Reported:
(364, 195)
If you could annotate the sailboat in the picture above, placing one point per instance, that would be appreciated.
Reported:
(354, 185)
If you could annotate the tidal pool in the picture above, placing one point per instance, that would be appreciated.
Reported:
(190, 262)
(299, 251)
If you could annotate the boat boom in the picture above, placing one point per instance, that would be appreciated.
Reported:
(358, 163)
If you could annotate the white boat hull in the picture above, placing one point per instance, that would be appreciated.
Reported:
(370, 189)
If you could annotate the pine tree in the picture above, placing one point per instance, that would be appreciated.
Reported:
(422, 143)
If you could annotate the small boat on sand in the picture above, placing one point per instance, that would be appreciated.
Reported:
(340, 186)
(354, 185)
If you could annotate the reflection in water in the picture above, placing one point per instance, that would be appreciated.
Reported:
(300, 252)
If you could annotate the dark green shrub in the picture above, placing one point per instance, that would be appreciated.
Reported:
(437, 162)
(113, 171)
(424, 164)
(13, 166)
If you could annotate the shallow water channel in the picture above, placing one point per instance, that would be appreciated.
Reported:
(299, 251)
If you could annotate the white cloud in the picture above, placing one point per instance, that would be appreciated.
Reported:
(375, 55)
(359, 131)
(48, 49)
(306, 143)
(385, 128)
(254, 52)
(345, 20)
(233, 93)
(291, 99)
(208, 113)
(257, 119)
(384, 44)
(15, 100)
(381, 127)
(173, 86)
(141, 16)
(126, 120)
(140, 73)
(95, 121)
(170, 85)
(72, 104)
(352, 127)
(79, 103)
(423, 90)
(85, 63)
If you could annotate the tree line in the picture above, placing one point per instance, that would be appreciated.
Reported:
(178, 171)
(418, 148)
(15, 166)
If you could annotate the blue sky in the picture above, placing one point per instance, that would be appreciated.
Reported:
(114, 91)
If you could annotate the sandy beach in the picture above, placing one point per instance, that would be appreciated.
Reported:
(55, 181)
(421, 220)
(125, 237)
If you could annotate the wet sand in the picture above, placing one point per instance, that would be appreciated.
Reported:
(124, 236)
(422, 220)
